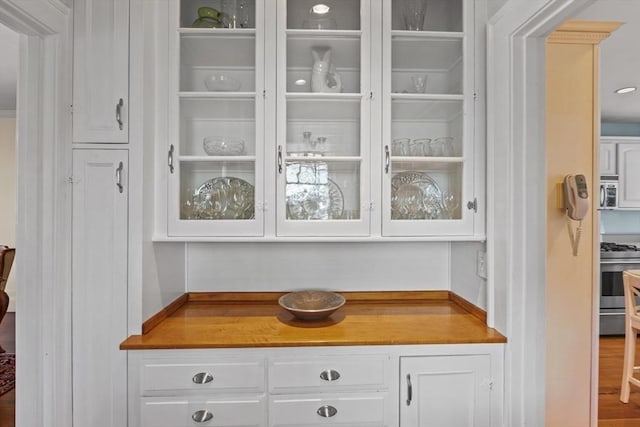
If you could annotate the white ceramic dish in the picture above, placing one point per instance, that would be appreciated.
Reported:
(223, 146)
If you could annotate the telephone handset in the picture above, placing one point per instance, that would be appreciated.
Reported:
(576, 204)
(576, 197)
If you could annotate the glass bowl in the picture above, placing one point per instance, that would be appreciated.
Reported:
(221, 83)
(223, 146)
(311, 304)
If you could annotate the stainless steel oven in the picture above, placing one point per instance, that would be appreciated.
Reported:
(614, 259)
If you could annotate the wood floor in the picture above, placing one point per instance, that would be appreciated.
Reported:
(612, 412)
(8, 342)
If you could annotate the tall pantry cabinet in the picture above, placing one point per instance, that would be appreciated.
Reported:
(100, 211)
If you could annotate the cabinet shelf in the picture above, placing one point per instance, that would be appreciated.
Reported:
(426, 97)
(315, 97)
(323, 34)
(404, 35)
(216, 159)
(225, 32)
(205, 95)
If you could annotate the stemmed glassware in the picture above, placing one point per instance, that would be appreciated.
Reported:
(450, 203)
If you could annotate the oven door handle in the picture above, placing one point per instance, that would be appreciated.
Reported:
(602, 196)
(612, 314)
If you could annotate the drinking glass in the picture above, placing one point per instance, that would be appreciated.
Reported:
(422, 146)
(450, 203)
(414, 13)
(419, 83)
(400, 147)
(444, 146)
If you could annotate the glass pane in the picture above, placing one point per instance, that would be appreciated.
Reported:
(220, 63)
(217, 126)
(323, 127)
(427, 65)
(323, 64)
(425, 191)
(317, 190)
(217, 190)
(323, 15)
(426, 128)
(217, 14)
(427, 15)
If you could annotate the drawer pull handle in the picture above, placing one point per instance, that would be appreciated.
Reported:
(202, 378)
(330, 375)
(409, 390)
(327, 411)
(202, 416)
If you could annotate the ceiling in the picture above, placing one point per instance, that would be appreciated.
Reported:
(619, 61)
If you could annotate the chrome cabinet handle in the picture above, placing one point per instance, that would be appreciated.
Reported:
(409, 390)
(119, 106)
(202, 416)
(119, 177)
(327, 411)
(170, 159)
(602, 197)
(330, 375)
(202, 378)
(279, 158)
(387, 159)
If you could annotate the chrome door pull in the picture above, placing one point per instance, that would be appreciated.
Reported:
(279, 158)
(409, 390)
(202, 378)
(327, 411)
(119, 177)
(330, 375)
(387, 159)
(201, 416)
(170, 159)
(119, 106)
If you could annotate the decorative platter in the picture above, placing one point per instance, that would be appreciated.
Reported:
(225, 198)
(415, 195)
(314, 201)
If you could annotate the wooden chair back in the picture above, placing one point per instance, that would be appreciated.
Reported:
(7, 255)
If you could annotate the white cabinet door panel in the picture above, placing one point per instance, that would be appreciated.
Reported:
(608, 158)
(629, 175)
(445, 391)
(100, 71)
(99, 287)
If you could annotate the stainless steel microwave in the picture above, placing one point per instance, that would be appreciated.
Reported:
(608, 192)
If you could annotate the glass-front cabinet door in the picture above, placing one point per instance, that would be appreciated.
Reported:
(216, 118)
(323, 117)
(428, 112)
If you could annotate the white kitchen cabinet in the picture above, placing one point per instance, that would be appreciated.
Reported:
(446, 391)
(216, 123)
(324, 134)
(629, 175)
(452, 385)
(428, 130)
(100, 71)
(608, 161)
(99, 287)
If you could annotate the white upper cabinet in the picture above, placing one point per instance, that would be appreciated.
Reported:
(216, 125)
(323, 118)
(101, 71)
(608, 158)
(629, 175)
(288, 119)
(428, 118)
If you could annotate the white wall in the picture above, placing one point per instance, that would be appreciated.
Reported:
(464, 280)
(8, 196)
(334, 266)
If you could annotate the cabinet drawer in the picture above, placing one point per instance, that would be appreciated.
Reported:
(339, 409)
(240, 375)
(328, 373)
(177, 412)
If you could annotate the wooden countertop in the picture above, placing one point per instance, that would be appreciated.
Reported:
(238, 320)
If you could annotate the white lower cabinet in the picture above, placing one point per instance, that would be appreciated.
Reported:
(446, 391)
(99, 285)
(359, 386)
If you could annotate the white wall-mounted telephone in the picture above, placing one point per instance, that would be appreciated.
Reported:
(576, 197)
(576, 205)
